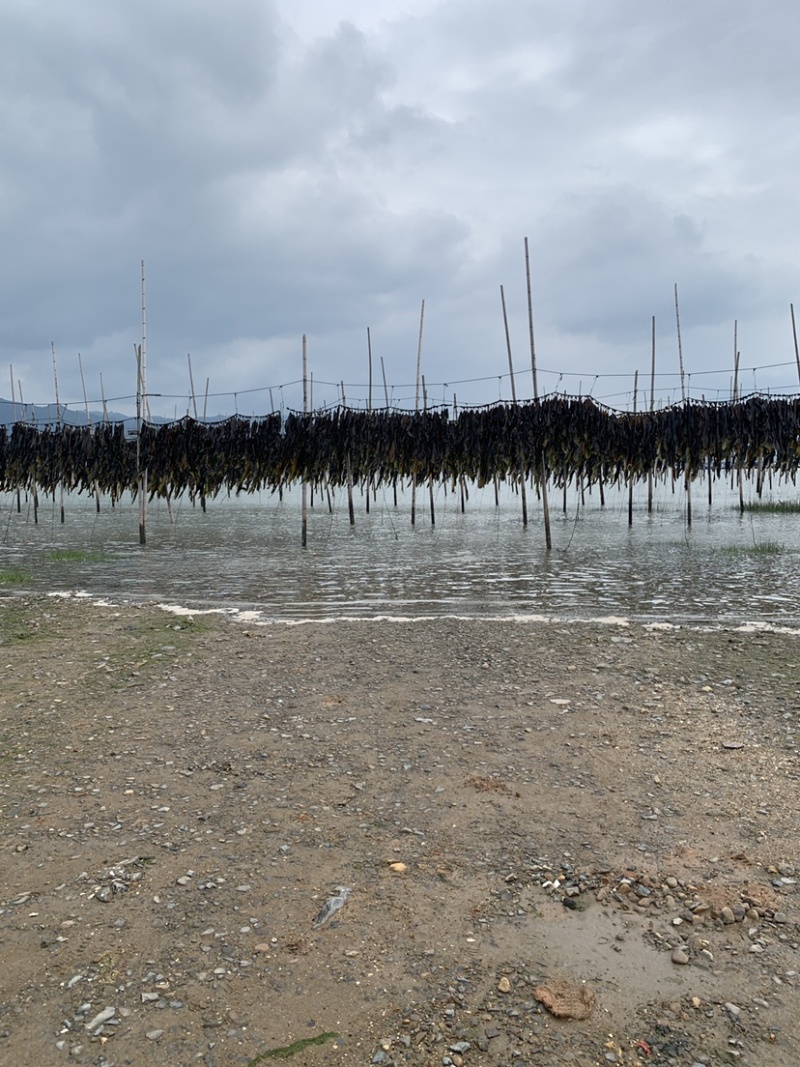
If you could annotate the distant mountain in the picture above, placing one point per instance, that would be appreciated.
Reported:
(42, 415)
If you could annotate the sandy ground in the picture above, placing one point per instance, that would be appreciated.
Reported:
(563, 844)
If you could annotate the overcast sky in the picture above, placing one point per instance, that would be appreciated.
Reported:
(303, 166)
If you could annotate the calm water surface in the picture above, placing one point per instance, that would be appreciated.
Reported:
(245, 553)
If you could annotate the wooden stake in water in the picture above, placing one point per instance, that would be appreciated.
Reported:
(141, 473)
(543, 478)
(349, 473)
(416, 409)
(523, 496)
(304, 504)
(369, 399)
(652, 409)
(735, 400)
(688, 473)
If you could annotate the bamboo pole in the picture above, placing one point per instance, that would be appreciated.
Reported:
(416, 409)
(369, 400)
(735, 399)
(142, 413)
(687, 473)
(141, 474)
(523, 496)
(191, 385)
(794, 334)
(349, 474)
(545, 507)
(304, 504)
(652, 409)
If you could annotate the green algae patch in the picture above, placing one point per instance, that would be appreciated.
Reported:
(286, 1051)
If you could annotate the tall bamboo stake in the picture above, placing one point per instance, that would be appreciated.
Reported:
(652, 409)
(369, 399)
(735, 398)
(523, 496)
(349, 473)
(545, 508)
(687, 479)
(142, 413)
(191, 385)
(794, 334)
(304, 504)
(386, 399)
(416, 408)
(141, 474)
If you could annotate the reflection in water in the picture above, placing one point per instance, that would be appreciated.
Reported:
(246, 553)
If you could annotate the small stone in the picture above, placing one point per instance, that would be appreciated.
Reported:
(398, 868)
(504, 986)
(780, 917)
(154, 1035)
(727, 916)
(101, 1017)
(183, 880)
(679, 956)
(672, 882)
(733, 1010)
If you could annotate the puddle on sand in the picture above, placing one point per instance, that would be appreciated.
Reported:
(602, 948)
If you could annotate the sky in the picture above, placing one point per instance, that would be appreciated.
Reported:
(301, 167)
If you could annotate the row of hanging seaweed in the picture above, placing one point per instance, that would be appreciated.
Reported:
(567, 437)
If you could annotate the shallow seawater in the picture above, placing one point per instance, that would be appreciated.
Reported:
(246, 553)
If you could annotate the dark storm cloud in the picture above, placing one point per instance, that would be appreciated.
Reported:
(284, 171)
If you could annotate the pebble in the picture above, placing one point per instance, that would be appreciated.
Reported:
(727, 916)
(154, 1035)
(101, 1017)
(679, 956)
(504, 986)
